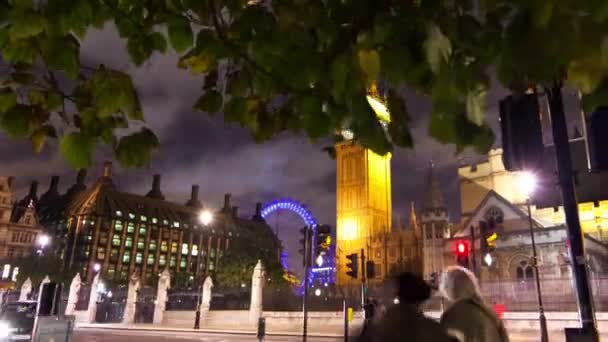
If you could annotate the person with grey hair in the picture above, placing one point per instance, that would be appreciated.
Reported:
(467, 318)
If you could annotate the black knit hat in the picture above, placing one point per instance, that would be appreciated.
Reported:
(412, 288)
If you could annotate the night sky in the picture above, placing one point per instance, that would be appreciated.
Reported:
(222, 158)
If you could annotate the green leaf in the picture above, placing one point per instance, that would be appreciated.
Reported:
(77, 149)
(586, 74)
(475, 104)
(62, 53)
(20, 51)
(597, 98)
(136, 150)
(437, 48)
(40, 135)
(157, 42)
(210, 102)
(16, 121)
(113, 92)
(315, 121)
(369, 61)
(26, 23)
(8, 99)
(3, 37)
(180, 33)
(339, 72)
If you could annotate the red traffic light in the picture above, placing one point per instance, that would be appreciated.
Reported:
(462, 248)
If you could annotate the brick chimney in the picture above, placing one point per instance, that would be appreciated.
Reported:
(227, 207)
(258, 212)
(194, 201)
(107, 169)
(235, 211)
(155, 191)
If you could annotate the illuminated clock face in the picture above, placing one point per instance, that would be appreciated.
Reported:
(347, 134)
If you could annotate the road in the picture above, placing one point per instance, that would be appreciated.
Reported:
(156, 336)
(90, 335)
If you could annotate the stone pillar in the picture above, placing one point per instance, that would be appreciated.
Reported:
(73, 296)
(26, 290)
(257, 287)
(134, 285)
(93, 298)
(161, 296)
(206, 296)
(2, 293)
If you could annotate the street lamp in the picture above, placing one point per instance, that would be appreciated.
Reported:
(43, 241)
(527, 185)
(205, 217)
(96, 267)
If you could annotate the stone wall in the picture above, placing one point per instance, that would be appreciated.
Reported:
(276, 322)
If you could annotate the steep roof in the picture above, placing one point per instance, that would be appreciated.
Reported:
(433, 196)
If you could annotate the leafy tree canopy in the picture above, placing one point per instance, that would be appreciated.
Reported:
(36, 267)
(236, 265)
(301, 66)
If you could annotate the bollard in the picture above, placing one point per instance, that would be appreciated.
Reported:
(261, 328)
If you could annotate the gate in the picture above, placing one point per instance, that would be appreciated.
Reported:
(144, 307)
(111, 307)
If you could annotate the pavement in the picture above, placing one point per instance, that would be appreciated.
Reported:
(118, 333)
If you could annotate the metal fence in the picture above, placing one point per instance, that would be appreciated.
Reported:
(230, 298)
(558, 295)
(182, 299)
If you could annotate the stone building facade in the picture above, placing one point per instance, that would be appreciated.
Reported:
(19, 227)
(490, 193)
(125, 233)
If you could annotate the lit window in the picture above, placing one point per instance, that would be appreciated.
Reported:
(143, 218)
(118, 226)
(131, 216)
(114, 255)
(195, 250)
(182, 263)
(116, 240)
(163, 246)
(165, 222)
(118, 213)
(142, 230)
(162, 260)
(151, 259)
(138, 258)
(185, 248)
(15, 273)
(140, 244)
(129, 242)
(152, 245)
(6, 271)
(174, 247)
(211, 267)
(172, 261)
(101, 253)
(212, 253)
(130, 227)
(176, 224)
(154, 220)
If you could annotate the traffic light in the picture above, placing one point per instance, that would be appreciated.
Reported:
(597, 139)
(370, 269)
(305, 245)
(353, 265)
(488, 236)
(323, 239)
(522, 139)
(462, 253)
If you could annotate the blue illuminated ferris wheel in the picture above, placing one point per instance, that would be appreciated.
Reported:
(323, 273)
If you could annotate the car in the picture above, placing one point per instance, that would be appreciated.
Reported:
(17, 321)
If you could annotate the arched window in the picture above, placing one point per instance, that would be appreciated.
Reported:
(494, 214)
(524, 271)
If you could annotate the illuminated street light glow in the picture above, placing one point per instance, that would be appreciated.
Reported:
(43, 240)
(206, 217)
(317, 292)
(527, 183)
(396, 301)
(96, 267)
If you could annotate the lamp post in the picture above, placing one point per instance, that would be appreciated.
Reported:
(527, 183)
(43, 241)
(205, 217)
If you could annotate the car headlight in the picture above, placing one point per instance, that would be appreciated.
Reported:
(5, 330)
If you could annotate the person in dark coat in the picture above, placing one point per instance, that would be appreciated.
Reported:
(405, 320)
(467, 318)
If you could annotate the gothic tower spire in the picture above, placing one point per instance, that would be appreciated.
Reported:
(433, 197)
